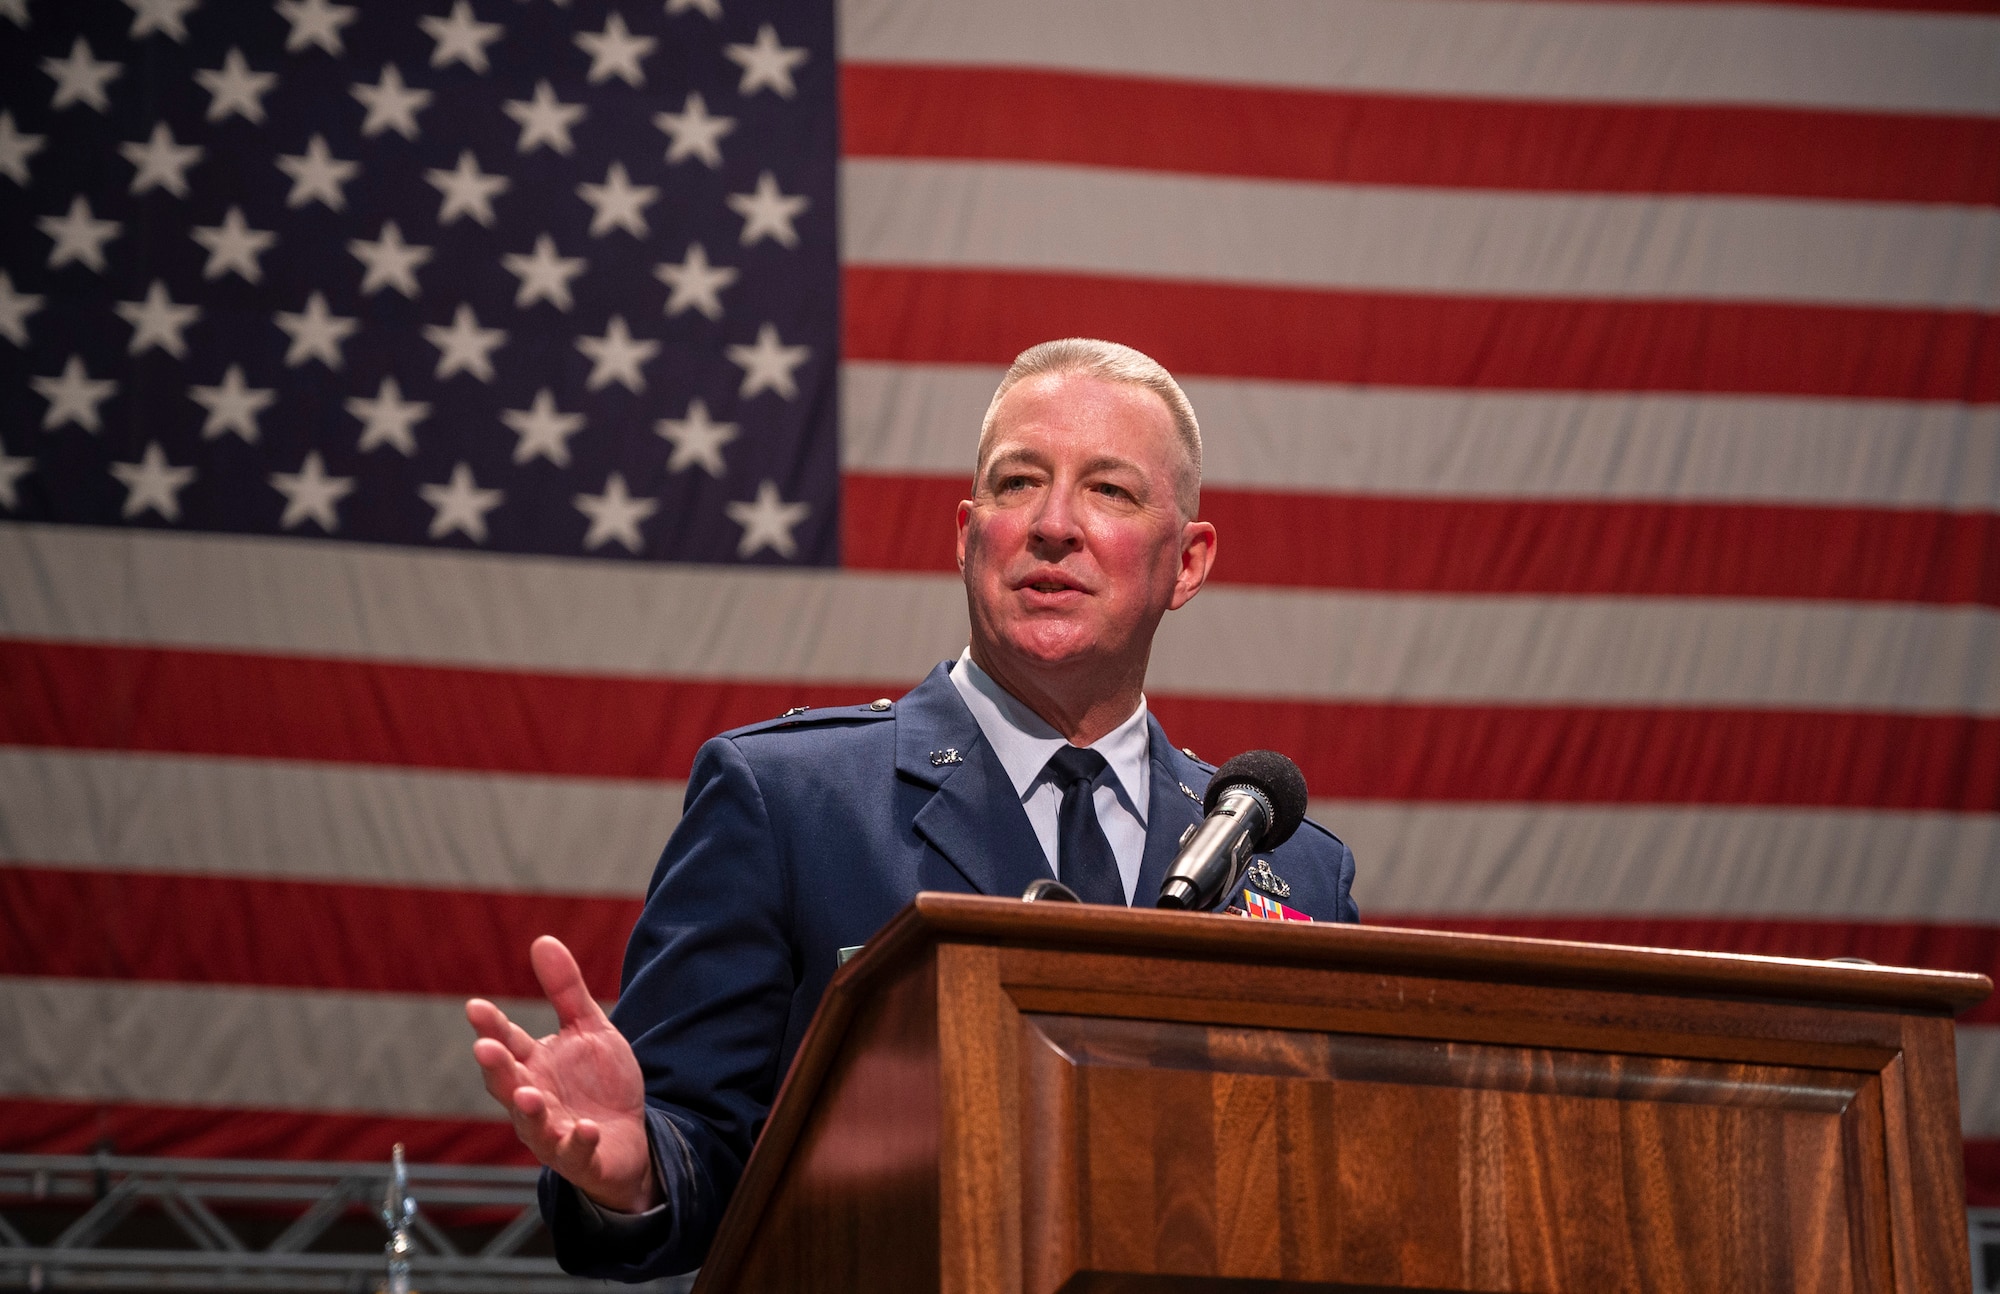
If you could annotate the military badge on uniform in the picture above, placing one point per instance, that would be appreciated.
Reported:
(1188, 791)
(1261, 876)
(1259, 908)
(949, 755)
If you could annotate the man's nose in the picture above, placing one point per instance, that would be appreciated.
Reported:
(1056, 524)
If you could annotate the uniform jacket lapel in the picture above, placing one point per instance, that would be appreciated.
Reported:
(974, 818)
(1170, 810)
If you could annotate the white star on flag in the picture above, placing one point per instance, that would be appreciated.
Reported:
(74, 396)
(615, 514)
(15, 307)
(80, 78)
(12, 470)
(391, 104)
(616, 357)
(461, 38)
(617, 203)
(78, 236)
(694, 133)
(390, 262)
(15, 150)
(388, 419)
(544, 431)
(160, 162)
(467, 190)
(152, 483)
(696, 284)
(768, 365)
(315, 333)
(234, 88)
(465, 347)
(767, 522)
(157, 321)
(232, 406)
(311, 495)
(544, 120)
(544, 275)
(233, 247)
(315, 22)
(768, 212)
(766, 64)
(461, 505)
(615, 51)
(168, 17)
(697, 440)
(712, 9)
(317, 176)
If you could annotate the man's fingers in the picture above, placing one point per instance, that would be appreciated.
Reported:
(491, 1022)
(562, 982)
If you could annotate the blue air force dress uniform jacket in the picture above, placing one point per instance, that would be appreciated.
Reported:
(803, 836)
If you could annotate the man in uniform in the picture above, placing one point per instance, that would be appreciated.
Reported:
(1031, 755)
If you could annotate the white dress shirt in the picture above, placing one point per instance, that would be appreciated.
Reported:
(1024, 743)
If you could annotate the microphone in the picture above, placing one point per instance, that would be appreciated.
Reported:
(1254, 804)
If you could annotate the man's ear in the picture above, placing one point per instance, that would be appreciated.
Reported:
(1197, 557)
(964, 520)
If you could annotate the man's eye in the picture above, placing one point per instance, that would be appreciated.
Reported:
(1111, 491)
(1010, 483)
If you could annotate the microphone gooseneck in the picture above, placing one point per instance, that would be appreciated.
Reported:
(1254, 803)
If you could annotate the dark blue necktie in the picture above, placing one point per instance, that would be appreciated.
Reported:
(1084, 861)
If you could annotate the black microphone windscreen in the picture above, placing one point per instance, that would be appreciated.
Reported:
(1278, 778)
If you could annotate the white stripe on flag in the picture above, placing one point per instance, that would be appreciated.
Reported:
(1791, 55)
(321, 599)
(1574, 860)
(1283, 233)
(281, 1049)
(320, 822)
(923, 420)
(1979, 1080)
(367, 1052)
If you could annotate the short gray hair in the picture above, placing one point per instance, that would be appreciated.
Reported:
(1110, 362)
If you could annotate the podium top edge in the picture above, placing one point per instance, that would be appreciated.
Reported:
(935, 916)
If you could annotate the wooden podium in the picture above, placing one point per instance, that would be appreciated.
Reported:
(1002, 1096)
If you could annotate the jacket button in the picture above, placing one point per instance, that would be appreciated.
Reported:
(881, 705)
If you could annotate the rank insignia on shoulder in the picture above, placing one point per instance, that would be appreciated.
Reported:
(949, 755)
(1188, 791)
(1261, 876)
(795, 710)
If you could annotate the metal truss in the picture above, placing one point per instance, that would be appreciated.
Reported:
(215, 1257)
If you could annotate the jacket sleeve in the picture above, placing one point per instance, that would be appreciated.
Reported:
(707, 986)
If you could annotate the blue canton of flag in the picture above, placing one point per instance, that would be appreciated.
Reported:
(532, 277)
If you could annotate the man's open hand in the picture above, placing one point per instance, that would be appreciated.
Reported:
(576, 1096)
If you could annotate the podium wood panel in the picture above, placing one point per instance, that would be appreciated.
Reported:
(1040, 1098)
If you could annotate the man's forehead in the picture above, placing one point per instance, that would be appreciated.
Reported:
(1082, 397)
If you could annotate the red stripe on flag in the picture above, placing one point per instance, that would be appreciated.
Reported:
(298, 934)
(37, 1127)
(376, 712)
(949, 316)
(1514, 546)
(29, 1126)
(1074, 118)
(215, 703)
(1609, 756)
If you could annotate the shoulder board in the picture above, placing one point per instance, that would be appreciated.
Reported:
(817, 716)
(1199, 762)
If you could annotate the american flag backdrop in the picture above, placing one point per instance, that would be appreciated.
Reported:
(422, 424)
